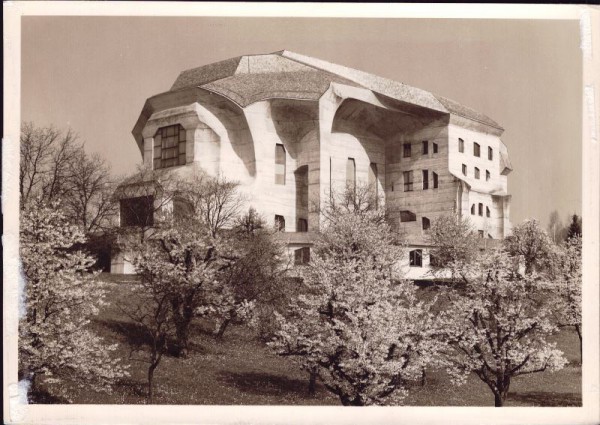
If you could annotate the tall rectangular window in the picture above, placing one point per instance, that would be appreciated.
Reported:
(169, 147)
(279, 164)
(476, 149)
(425, 179)
(406, 150)
(490, 153)
(487, 212)
(461, 145)
(435, 147)
(351, 174)
(464, 169)
(280, 223)
(488, 176)
(425, 150)
(476, 172)
(481, 209)
(408, 181)
(435, 179)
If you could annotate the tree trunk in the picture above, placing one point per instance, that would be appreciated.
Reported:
(182, 316)
(423, 377)
(150, 381)
(312, 382)
(498, 400)
(222, 328)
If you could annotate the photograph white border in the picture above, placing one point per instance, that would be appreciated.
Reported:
(15, 411)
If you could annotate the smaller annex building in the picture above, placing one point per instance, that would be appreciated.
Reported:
(293, 129)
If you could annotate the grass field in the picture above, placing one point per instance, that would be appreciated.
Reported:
(238, 369)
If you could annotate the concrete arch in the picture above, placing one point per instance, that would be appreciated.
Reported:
(213, 122)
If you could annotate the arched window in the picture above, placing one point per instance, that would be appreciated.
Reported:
(461, 145)
(473, 209)
(476, 172)
(476, 149)
(416, 258)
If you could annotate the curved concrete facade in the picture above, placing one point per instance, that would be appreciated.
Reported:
(286, 126)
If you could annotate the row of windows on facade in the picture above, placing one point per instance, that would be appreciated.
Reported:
(479, 210)
(280, 170)
(301, 224)
(408, 216)
(476, 149)
(407, 148)
(477, 173)
(408, 180)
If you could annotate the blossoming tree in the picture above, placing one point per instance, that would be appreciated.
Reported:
(362, 332)
(497, 325)
(56, 346)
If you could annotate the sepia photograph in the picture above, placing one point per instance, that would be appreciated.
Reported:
(299, 211)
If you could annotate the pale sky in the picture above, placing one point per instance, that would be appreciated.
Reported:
(93, 74)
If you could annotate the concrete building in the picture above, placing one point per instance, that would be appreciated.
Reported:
(292, 129)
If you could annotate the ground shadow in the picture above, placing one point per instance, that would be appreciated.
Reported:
(539, 398)
(133, 333)
(266, 384)
(136, 336)
(42, 396)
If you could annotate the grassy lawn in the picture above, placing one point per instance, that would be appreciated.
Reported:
(238, 369)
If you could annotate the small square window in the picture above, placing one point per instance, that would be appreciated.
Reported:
(426, 223)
